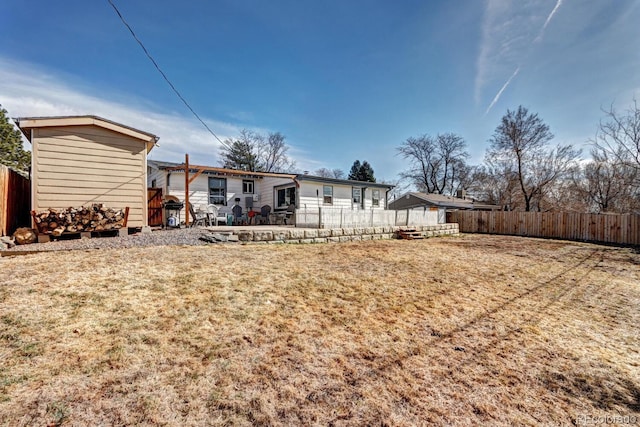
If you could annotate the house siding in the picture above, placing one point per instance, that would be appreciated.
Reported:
(160, 178)
(199, 190)
(266, 190)
(80, 165)
(311, 196)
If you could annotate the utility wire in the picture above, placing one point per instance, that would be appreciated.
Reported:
(164, 76)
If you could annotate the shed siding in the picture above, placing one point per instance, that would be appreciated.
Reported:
(80, 165)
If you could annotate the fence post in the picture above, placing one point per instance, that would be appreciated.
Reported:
(319, 217)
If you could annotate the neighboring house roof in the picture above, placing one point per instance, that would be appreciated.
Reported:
(417, 199)
(27, 123)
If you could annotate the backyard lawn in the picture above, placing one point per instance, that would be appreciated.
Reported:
(462, 330)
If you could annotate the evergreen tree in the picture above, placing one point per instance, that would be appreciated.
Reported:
(361, 172)
(354, 173)
(11, 152)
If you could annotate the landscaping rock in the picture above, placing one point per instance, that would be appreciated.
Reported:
(324, 232)
(245, 236)
(310, 233)
(296, 233)
(262, 236)
(7, 242)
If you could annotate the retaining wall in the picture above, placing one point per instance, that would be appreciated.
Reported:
(335, 235)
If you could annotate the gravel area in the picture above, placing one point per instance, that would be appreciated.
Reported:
(185, 236)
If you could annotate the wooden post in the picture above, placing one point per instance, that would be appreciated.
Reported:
(186, 189)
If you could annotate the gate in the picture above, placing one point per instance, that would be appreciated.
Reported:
(154, 207)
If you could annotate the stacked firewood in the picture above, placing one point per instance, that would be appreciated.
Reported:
(74, 220)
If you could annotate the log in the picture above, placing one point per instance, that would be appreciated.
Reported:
(25, 236)
(96, 217)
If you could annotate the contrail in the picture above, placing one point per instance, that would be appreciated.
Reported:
(544, 27)
(502, 90)
(537, 39)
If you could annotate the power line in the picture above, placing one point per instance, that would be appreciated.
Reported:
(164, 76)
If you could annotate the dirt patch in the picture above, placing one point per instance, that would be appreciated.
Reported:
(468, 330)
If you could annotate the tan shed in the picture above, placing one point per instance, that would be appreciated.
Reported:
(81, 160)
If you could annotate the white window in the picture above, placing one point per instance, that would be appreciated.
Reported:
(285, 197)
(327, 191)
(217, 191)
(247, 186)
(375, 197)
(357, 195)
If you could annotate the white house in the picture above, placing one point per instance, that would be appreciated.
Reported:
(252, 190)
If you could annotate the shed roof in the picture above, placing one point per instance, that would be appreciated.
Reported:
(27, 123)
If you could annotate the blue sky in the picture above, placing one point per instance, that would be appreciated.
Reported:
(342, 80)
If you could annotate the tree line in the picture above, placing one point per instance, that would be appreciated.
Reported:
(523, 171)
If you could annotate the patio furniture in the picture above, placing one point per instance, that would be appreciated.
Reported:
(264, 214)
(238, 217)
(199, 217)
(278, 218)
(253, 217)
(289, 214)
(215, 217)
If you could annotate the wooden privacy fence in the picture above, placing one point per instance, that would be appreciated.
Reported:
(349, 218)
(15, 201)
(604, 228)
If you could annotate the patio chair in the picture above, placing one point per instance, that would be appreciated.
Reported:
(289, 214)
(264, 214)
(238, 217)
(215, 216)
(198, 217)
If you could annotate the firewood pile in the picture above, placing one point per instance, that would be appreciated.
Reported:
(75, 220)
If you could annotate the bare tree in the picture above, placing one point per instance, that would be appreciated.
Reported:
(273, 154)
(619, 135)
(606, 184)
(253, 152)
(520, 144)
(496, 184)
(436, 165)
(333, 173)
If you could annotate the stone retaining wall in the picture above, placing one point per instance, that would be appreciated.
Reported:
(334, 235)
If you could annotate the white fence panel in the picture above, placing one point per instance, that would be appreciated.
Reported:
(349, 218)
(422, 217)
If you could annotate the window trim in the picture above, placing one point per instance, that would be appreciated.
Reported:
(353, 195)
(325, 195)
(246, 182)
(224, 191)
(375, 201)
(285, 188)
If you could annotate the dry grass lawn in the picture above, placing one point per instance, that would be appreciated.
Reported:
(465, 330)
